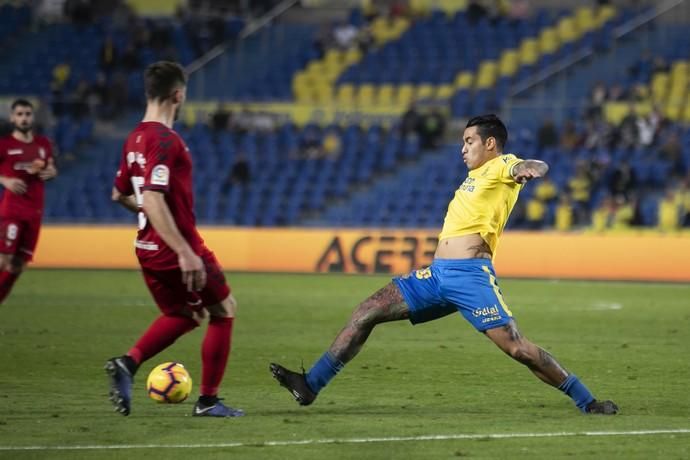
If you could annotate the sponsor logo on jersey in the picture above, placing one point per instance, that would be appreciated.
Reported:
(137, 157)
(15, 151)
(160, 175)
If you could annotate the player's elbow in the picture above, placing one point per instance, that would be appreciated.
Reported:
(116, 196)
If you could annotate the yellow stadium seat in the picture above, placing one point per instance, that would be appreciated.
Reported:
(304, 94)
(548, 40)
(486, 76)
(464, 80)
(660, 82)
(508, 64)
(352, 55)
(567, 31)
(420, 7)
(444, 91)
(679, 68)
(365, 95)
(450, 7)
(404, 95)
(584, 19)
(323, 94)
(345, 94)
(614, 112)
(333, 56)
(425, 91)
(385, 95)
(605, 13)
(686, 114)
(528, 51)
(673, 111)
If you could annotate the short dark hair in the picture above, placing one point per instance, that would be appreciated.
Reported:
(490, 126)
(162, 78)
(21, 103)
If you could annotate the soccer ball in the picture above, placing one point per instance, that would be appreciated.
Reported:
(169, 383)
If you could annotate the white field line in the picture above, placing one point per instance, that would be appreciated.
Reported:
(432, 437)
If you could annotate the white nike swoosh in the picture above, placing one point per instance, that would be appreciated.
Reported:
(199, 411)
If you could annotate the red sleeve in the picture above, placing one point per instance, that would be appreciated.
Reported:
(161, 155)
(47, 147)
(123, 182)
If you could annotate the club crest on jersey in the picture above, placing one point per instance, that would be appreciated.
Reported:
(42, 153)
(160, 175)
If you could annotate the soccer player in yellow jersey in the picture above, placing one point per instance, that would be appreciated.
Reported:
(461, 277)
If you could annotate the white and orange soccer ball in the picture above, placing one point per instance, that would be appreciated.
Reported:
(169, 383)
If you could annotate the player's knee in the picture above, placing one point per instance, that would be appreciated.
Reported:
(367, 314)
(521, 353)
(226, 309)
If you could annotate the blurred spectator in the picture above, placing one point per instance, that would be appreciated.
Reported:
(345, 35)
(684, 201)
(629, 134)
(61, 73)
(432, 126)
(623, 213)
(476, 12)
(535, 214)
(130, 59)
(108, 55)
(668, 215)
(240, 173)
(660, 65)
(547, 136)
(545, 190)
(331, 145)
(623, 180)
(220, 119)
(410, 121)
(564, 214)
(597, 98)
(570, 139)
(580, 187)
(365, 38)
(672, 151)
(519, 10)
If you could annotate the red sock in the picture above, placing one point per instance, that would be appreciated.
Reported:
(214, 354)
(7, 280)
(160, 335)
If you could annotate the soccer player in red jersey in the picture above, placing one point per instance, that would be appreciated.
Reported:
(155, 181)
(26, 162)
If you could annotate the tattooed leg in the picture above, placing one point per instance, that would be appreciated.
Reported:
(538, 360)
(385, 305)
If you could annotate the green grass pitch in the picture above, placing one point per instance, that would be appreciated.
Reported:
(626, 341)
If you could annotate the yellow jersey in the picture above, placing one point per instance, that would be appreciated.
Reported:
(483, 201)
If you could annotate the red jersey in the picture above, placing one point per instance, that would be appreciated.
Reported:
(155, 157)
(15, 161)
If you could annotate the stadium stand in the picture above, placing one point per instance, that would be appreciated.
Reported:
(613, 162)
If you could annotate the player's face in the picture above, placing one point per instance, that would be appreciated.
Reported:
(474, 151)
(22, 117)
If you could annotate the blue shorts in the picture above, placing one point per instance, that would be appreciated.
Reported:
(449, 285)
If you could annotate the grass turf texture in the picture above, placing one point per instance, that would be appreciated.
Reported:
(628, 342)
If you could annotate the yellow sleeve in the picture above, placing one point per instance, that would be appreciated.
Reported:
(508, 162)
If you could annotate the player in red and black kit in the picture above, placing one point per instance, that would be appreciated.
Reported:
(155, 181)
(26, 162)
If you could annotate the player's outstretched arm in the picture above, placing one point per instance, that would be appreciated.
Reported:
(159, 215)
(129, 202)
(527, 170)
